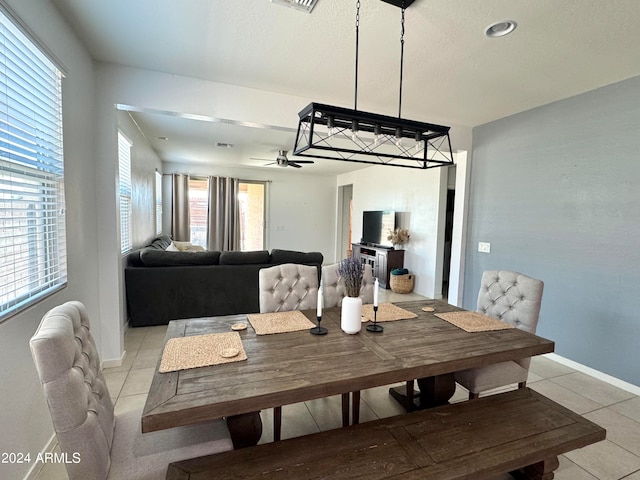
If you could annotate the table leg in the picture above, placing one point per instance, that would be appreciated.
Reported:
(541, 470)
(355, 408)
(404, 396)
(345, 409)
(277, 423)
(245, 429)
(434, 391)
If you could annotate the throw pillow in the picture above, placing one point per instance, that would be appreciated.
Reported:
(171, 248)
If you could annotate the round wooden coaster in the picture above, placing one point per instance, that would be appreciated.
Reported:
(428, 309)
(239, 326)
(229, 352)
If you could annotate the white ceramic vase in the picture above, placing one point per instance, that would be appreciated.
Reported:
(351, 317)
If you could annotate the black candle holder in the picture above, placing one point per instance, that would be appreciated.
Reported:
(375, 328)
(318, 330)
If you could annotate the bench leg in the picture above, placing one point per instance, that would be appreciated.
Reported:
(245, 429)
(541, 470)
(277, 423)
(345, 409)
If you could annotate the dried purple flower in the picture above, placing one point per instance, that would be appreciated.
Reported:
(351, 270)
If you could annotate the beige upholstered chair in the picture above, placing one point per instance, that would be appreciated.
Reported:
(333, 289)
(513, 298)
(288, 287)
(109, 445)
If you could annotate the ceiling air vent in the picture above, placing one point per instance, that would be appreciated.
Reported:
(302, 5)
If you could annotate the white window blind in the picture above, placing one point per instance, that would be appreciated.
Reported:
(158, 203)
(124, 173)
(33, 259)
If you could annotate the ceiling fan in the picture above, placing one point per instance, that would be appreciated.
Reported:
(283, 161)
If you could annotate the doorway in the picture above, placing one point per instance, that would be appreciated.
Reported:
(344, 221)
(448, 238)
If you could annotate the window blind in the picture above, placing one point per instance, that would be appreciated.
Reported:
(124, 175)
(33, 259)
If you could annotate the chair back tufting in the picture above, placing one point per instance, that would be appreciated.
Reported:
(333, 289)
(511, 297)
(68, 365)
(287, 287)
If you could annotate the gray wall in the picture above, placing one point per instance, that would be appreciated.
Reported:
(556, 190)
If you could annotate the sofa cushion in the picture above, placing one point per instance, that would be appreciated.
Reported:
(244, 258)
(151, 257)
(291, 256)
(161, 242)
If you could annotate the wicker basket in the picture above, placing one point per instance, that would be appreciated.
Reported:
(401, 283)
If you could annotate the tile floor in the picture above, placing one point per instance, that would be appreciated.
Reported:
(617, 410)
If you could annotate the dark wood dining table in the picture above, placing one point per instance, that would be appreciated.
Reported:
(292, 367)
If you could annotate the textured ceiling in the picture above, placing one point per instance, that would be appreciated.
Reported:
(453, 73)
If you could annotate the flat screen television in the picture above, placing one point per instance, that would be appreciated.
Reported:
(376, 225)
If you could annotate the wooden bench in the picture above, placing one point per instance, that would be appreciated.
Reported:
(519, 430)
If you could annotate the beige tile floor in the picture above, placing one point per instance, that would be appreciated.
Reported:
(617, 410)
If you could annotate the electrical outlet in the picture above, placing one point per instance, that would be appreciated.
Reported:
(484, 247)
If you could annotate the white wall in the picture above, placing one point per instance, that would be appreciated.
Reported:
(24, 416)
(416, 192)
(144, 163)
(300, 207)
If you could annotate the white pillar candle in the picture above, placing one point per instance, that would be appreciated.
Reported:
(375, 292)
(320, 303)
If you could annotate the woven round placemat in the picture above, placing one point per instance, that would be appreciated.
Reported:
(279, 322)
(387, 312)
(200, 351)
(473, 322)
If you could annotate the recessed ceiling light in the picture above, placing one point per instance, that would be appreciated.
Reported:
(500, 29)
(163, 138)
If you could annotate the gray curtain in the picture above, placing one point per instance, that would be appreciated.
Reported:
(224, 214)
(180, 230)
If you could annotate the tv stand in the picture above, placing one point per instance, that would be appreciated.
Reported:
(381, 259)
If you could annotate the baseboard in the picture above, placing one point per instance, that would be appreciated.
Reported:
(114, 362)
(616, 382)
(37, 466)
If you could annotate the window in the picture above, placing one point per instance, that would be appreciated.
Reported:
(198, 208)
(124, 176)
(33, 258)
(158, 203)
(251, 199)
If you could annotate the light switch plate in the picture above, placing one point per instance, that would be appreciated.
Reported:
(484, 247)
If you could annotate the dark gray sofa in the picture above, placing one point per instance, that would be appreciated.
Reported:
(162, 286)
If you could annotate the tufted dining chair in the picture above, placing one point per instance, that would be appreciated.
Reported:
(108, 443)
(287, 287)
(333, 289)
(513, 298)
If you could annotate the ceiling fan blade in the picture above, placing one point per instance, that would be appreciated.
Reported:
(267, 164)
(304, 161)
(294, 165)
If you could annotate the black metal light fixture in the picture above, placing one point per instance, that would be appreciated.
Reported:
(336, 133)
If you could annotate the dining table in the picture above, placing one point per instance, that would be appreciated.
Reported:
(292, 367)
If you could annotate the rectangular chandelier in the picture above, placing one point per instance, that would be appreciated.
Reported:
(335, 133)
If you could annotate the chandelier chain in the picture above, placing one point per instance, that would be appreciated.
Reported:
(401, 61)
(355, 101)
